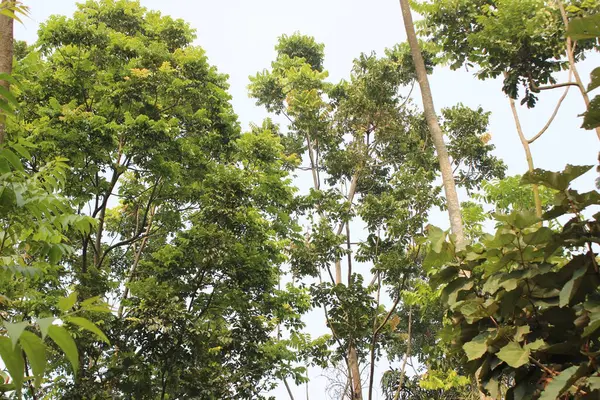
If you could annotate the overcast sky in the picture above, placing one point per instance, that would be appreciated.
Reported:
(239, 36)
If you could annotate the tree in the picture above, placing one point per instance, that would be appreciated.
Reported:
(348, 134)
(192, 216)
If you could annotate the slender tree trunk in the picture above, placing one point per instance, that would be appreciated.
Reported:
(571, 58)
(6, 51)
(528, 156)
(355, 369)
(434, 127)
(406, 356)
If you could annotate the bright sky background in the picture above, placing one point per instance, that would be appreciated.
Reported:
(239, 36)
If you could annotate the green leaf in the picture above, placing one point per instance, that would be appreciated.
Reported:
(521, 332)
(476, 347)
(437, 237)
(35, 350)
(63, 339)
(66, 303)
(15, 330)
(12, 158)
(90, 326)
(591, 118)
(538, 344)
(594, 382)
(514, 355)
(44, 324)
(570, 288)
(8, 96)
(54, 256)
(542, 235)
(555, 180)
(595, 79)
(562, 382)
(13, 360)
(23, 152)
(585, 27)
(593, 325)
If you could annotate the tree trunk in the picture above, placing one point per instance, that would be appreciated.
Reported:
(528, 156)
(6, 51)
(355, 370)
(434, 127)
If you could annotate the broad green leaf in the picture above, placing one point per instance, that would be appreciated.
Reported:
(593, 325)
(514, 355)
(44, 324)
(66, 303)
(89, 325)
(436, 237)
(584, 28)
(35, 350)
(538, 344)
(570, 288)
(521, 332)
(594, 382)
(555, 180)
(476, 347)
(13, 360)
(539, 236)
(595, 79)
(63, 339)
(562, 382)
(15, 330)
(591, 118)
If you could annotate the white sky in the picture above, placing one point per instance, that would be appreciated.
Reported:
(239, 36)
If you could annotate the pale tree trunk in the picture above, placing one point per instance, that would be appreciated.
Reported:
(355, 370)
(434, 127)
(6, 51)
(528, 156)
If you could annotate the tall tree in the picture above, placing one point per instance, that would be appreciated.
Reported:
(192, 215)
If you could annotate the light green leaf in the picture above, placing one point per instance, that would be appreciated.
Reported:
(521, 332)
(89, 325)
(66, 303)
(44, 324)
(15, 330)
(13, 360)
(538, 344)
(514, 355)
(594, 382)
(476, 347)
(35, 350)
(63, 339)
